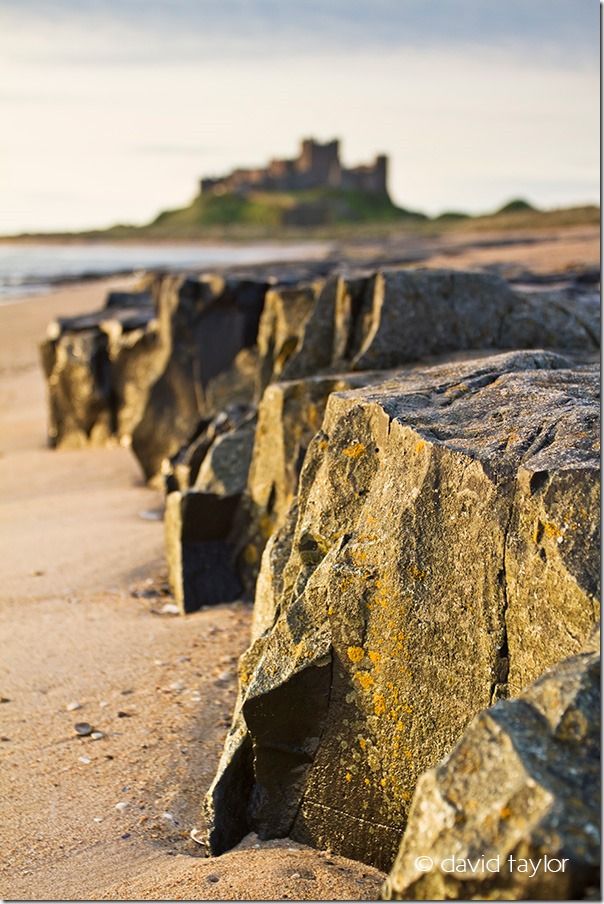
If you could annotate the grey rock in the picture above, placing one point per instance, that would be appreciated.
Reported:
(281, 328)
(224, 470)
(382, 319)
(199, 557)
(289, 415)
(401, 611)
(414, 314)
(183, 468)
(198, 521)
(519, 786)
(208, 322)
(96, 381)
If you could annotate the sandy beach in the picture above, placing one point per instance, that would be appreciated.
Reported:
(81, 588)
(84, 639)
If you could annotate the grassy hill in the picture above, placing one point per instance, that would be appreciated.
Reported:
(321, 214)
(271, 211)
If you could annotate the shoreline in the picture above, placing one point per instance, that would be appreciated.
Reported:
(540, 251)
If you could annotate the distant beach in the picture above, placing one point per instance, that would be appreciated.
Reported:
(35, 268)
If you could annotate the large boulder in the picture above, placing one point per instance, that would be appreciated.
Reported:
(439, 513)
(99, 368)
(209, 321)
(281, 328)
(513, 812)
(289, 415)
(392, 316)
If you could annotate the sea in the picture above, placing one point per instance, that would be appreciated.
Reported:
(31, 268)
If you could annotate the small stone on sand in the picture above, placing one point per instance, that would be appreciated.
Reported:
(83, 729)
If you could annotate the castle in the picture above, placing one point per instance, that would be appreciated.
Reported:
(316, 166)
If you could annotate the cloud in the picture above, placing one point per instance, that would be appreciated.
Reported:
(135, 31)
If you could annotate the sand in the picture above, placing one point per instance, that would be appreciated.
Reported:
(81, 596)
(80, 591)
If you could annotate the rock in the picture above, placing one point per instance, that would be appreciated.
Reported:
(281, 328)
(335, 328)
(289, 415)
(83, 729)
(98, 369)
(208, 321)
(224, 469)
(520, 784)
(269, 586)
(144, 370)
(415, 314)
(414, 564)
(362, 320)
(185, 464)
(198, 522)
(200, 559)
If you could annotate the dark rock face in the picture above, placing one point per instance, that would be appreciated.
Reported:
(427, 536)
(414, 564)
(150, 365)
(199, 518)
(181, 474)
(208, 322)
(520, 784)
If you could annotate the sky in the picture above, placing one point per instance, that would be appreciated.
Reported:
(111, 110)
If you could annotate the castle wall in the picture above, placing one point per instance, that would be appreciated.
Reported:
(317, 166)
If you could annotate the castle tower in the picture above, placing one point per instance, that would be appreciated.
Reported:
(380, 177)
(319, 164)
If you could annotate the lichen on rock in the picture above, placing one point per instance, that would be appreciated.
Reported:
(406, 550)
(512, 813)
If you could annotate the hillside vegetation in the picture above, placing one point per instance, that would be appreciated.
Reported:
(322, 213)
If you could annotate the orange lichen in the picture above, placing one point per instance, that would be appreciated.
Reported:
(354, 451)
(364, 679)
(374, 656)
(355, 654)
(379, 704)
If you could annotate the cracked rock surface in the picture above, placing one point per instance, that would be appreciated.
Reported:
(520, 784)
(208, 322)
(439, 514)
